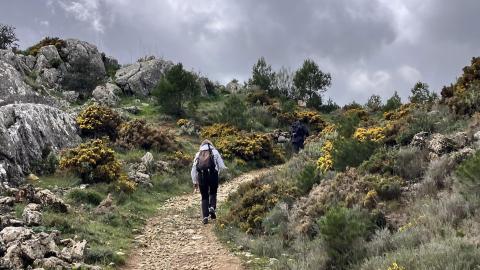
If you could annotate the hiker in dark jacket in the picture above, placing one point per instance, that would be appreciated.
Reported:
(206, 166)
(299, 132)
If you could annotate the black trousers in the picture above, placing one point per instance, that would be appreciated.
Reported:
(208, 184)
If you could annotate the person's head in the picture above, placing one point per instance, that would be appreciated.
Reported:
(204, 142)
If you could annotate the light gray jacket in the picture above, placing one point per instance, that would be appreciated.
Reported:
(219, 164)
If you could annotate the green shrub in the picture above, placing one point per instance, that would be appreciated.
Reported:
(137, 133)
(420, 120)
(57, 42)
(48, 163)
(85, 196)
(93, 162)
(468, 174)
(234, 112)
(177, 91)
(253, 200)
(307, 178)
(410, 163)
(97, 121)
(259, 97)
(351, 153)
(340, 228)
(387, 187)
(381, 162)
(82, 76)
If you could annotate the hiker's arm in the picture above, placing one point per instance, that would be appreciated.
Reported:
(219, 160)
(194, 172)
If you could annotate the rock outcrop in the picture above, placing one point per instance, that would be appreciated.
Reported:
(13, 88)
(140, 78)
(107, 94)
(28, 129)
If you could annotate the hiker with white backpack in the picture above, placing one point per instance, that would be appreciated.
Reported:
(206, 166)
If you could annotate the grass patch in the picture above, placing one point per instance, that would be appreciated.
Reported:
(110, 235)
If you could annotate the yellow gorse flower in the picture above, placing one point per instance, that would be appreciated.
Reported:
(375, 134)
(325, 162)
(395, 266)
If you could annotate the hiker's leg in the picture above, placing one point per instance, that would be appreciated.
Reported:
(295, 147)
(204, 192)
(213, 189)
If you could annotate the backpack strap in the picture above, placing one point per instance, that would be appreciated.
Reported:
(211, 156)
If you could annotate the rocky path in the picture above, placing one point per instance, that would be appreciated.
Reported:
(176, 239)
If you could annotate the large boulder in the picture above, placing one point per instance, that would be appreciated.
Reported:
(28, 129)
(140, 78)
(13, 87)
(234, 87)
(85, 68)
(107, 94)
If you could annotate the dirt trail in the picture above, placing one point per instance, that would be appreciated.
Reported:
(176, 239)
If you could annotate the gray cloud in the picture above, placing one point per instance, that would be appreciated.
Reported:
(369, 46)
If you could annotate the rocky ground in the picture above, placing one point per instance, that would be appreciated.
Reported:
(176, 238)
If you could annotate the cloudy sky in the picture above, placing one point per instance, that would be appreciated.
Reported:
(369, 46)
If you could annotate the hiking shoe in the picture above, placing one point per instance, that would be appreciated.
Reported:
(205, 220)
(212, 213)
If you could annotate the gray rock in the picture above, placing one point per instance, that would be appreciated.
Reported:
(140, 78)
(71, 96)
(420, 139)
(10, 234)
(51, 263)
(460, 139)
(439, 144)
(132, 109)
(462, 154)
(234, 87)
(105, 206)
(476, 136)
(84, 68)
(13, 257)
(13, 87)
(26, 130)
(7, 201)
(46, 198)
(282, 139)
(148, 160)
(50, 53)
(31, 214)
(75, 252)
(107, 94)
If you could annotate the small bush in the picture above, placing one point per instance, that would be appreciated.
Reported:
(259, 97)
(253, 200)
(177, 91)
(351, 152)
(307, 178)
(48, 163)
(387, 188)
(381, 162)
(234, 112)
(340, 228)
(217, 131)
(468, 174)
(137, 133)
(410, 163)
(247, 146)
(85, 196)
(97, 121)
(57, 42)
(92, 161)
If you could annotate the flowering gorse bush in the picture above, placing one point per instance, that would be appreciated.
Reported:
(182, 122)
(137, 133)
(325, 162)
(97, 121)
(395, 266)
(374, 134)
(93, 162)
